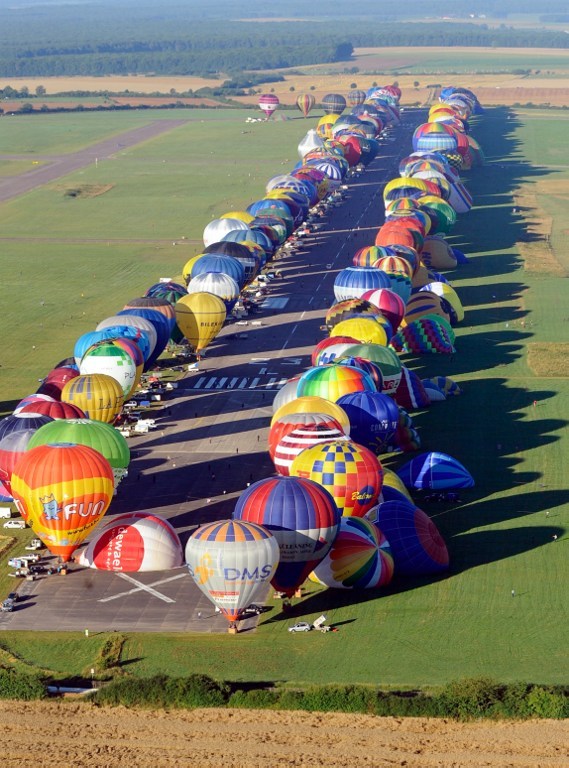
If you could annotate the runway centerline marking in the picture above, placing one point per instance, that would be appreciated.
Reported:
(140, 587)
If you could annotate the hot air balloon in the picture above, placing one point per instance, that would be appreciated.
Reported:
(366, 329)
(333, 381)
(54, 409)
(111, 359)
(98, 395)
(232, 562)
(62, 491)
(313, 405)
(333, 103)
(352, 282)
(384, 357)
(102, 437)
(297, 440)
(360, 558)
(417, 546)
(217, 284)
(321, 355)
(217, 228)
(350, 472)
(356, 96)
(135, 542)
(305, 102)
(225, 265)
(302, 517)
(373, 418)
(268, 102)
(435, 470)
(200, 317)
(140, 328)
(16, 431)
(288, 423)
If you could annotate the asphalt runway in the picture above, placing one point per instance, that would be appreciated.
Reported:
(211, 438)
(61, 165)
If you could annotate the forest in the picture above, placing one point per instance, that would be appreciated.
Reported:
(128, 38)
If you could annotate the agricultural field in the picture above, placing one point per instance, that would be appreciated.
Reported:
(72, 261)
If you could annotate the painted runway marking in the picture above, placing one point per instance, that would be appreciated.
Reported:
(140, 587)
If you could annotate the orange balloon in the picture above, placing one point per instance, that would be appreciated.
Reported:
(62, 491)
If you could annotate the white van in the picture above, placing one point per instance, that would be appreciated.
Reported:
(5, 513)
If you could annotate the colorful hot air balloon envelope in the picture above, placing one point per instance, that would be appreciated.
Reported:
(133, 543)
(284, 425)
(417, 547)
(373, 418)
(268, 102)
(232, 562)
(382, 356)
(62, 491)
(313, 405)
(305, 102)
(366, 329)
(350, 472)
(16, 431)
(98, 395)
(333, 103)
(102, 437)
(303, 518)
(111, 359)
(297, 440)
(54, 409)
(435, 470)
(353, 282)
(200, 317)
(332, 381)
(219, 284)
(360, 558)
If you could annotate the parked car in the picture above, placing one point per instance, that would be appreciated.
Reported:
(300, 626)
(15, 524)
(8, 606)
(14, 596)
(253, 610)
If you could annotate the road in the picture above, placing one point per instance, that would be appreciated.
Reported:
(212, 438)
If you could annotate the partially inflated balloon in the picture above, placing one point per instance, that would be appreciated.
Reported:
(62, 491)
(200, 317)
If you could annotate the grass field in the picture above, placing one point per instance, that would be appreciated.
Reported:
(509, 427)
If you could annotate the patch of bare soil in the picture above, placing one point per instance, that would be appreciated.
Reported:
(67, 733)
(549, 360)
(85, 190)
(536, 250)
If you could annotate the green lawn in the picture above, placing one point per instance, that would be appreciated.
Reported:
(508, 428)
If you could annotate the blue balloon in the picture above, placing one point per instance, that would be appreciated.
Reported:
(373, 418)
(417, 547)
(435, 470)
(161, 324)
(352, 282)
(224, 265)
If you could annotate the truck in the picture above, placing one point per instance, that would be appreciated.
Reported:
(34, 544)
(320, 623)
(5, 513)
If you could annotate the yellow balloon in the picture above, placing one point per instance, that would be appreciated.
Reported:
(365, 329)
(314, 404)
(200, 317)
(187, 268)
(98, 395)
(394, 481)
(241, 215)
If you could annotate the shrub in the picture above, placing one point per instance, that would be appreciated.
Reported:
(339, 698)
(162, 691)
(24, 687)
(543, 702)
(469, 698)
(254, 699)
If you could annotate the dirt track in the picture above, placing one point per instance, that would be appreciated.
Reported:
(65, 734)
(61, 166)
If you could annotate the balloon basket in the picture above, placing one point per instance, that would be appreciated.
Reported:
(232, 630)
(298, 592)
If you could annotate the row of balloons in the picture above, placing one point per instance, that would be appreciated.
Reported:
(332, 103)
(66, 426)
(339, 517)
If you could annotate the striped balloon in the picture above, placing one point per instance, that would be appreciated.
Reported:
(291, 444)
(286, 424)
(360, 558)
(437, 471)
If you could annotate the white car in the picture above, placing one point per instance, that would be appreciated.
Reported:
(300, 626)
(15, 524)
